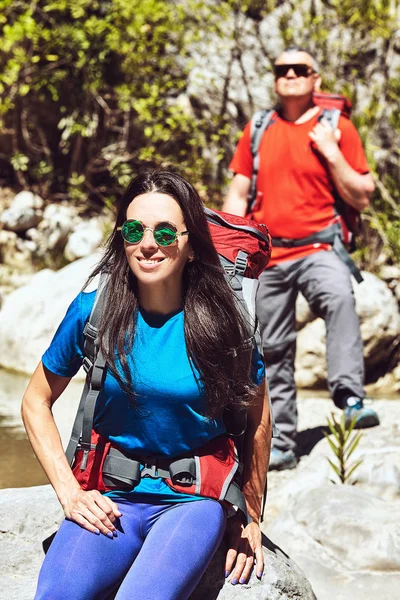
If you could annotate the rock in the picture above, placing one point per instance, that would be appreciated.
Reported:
(345, 538)
(304, 313)
(85, 239)
(380, 331)
(282, 579)
(379, 317)
(31, 314)
(6, 197)
(342, 536)
(29, 515)
(24, 212)
(27, 199)
(389, 272)
(311, 355)
(59, 220)
(396, 291)
(20, 220)
(13, 253)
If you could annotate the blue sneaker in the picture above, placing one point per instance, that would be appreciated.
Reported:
(281, 460)
(365, 417)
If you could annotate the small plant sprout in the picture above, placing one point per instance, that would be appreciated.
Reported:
(343, 444)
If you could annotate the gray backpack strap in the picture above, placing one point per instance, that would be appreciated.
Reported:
(259, 123)
(94, 366)
(249, 292)
(331, 116)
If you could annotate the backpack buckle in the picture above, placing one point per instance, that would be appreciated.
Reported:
(287, 242)
(241, 262)
(149, 471)
(87, 364)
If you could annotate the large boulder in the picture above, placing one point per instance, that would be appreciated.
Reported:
(379, 317)
(345, 538)
(31, 314)
(339, 534)
(30, 515)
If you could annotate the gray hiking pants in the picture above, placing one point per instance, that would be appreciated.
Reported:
(324, 280)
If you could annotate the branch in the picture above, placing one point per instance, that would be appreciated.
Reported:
(379, 226)
(387, 197)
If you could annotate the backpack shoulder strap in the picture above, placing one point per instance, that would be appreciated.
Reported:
(95, 367)
(248, 302)
(331, 115)
(259, 123)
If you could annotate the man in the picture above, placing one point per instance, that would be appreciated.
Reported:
(302, 161)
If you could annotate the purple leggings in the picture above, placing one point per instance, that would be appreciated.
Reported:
(161, 553)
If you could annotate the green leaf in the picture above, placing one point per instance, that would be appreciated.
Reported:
(353, 468)
(332, 444)
(353, 445)
(335, 468)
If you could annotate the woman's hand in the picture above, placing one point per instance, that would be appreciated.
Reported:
(92, 511)
(244, 545)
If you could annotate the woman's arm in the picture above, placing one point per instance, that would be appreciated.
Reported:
(256, 452)
(245, 543)
(90, 510)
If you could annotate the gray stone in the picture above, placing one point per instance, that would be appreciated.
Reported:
(379, 317)
(282, 579)
(304, 313)
(29, 515)
(344, 538)
(19, 220)
(389, 272)
(31, 314)
(14, 255)
(27, 199)
(85, 239)
(25, 211)
(59, 220)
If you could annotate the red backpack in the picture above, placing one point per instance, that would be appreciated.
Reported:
(331, 101)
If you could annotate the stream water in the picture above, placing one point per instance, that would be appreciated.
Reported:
(20, 467)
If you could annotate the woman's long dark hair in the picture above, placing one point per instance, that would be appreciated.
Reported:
(214, 327)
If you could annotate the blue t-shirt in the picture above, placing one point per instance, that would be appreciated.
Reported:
(169, 392)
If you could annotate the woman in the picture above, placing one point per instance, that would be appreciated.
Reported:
(171, 328)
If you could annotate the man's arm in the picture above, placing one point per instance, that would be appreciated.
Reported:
(236, 200)
(356, 189)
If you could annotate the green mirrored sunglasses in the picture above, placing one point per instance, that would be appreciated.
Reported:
(164, 233)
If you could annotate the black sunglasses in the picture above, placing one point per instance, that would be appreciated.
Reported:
(300, 70)
(164, 233)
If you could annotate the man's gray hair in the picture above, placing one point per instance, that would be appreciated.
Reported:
(290, 49)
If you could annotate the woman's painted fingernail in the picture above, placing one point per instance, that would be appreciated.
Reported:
(259, 575)
(96, 531)
(242, 580)
(226, 574)
(110, 535)
(234, 581)
(115, 533)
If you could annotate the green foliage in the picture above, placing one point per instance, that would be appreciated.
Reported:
(343, 445)
(93, 91)
(90, 90)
